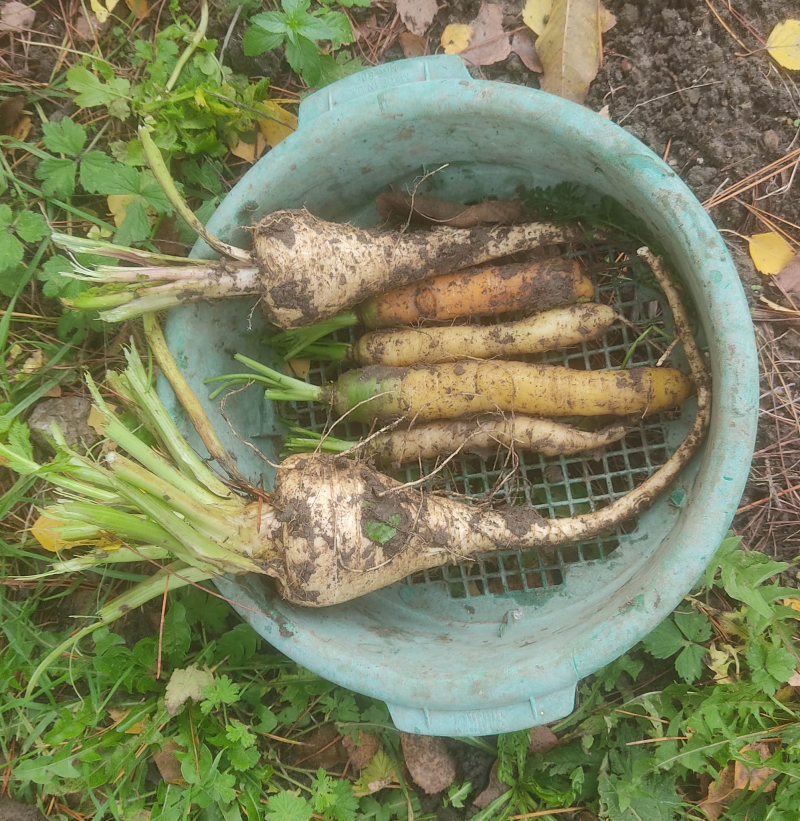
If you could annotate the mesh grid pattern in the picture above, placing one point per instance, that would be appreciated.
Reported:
(555, 486)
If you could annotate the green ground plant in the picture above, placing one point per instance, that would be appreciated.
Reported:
(220, 714)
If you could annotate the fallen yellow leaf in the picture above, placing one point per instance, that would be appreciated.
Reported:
(22, 128)
(250, 152)
(140, 8)
(456, 37)
(569, 48)
(536, 13)
(783, 44)
(96, 421)
(96, 232)
(118, 206)
(278, 125)
(118, 715)
(102, 11)
(300, 367)
(47, 532)
(793, 603)
(34, 362)
(769, 252)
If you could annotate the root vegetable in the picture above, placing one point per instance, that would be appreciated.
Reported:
(316, 534)
(548, 331)
(486, 290)
(435, 440)
(305, 269)
(466, 388)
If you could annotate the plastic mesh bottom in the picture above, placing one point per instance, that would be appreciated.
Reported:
(556, 486)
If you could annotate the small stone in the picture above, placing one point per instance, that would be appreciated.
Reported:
(771, 140)
(71, 414)
(627, 65)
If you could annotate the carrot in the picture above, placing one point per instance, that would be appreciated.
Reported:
(450, 391)
(485, 290)
(434, 440)
(317, 533)
(548, 331)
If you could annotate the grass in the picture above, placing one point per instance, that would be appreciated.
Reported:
(181, 711)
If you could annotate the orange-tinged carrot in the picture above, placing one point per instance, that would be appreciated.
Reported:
(484, 290)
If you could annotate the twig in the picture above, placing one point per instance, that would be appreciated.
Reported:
(668, 94)
(228, 33)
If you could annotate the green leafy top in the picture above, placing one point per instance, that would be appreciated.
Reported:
(299, 30)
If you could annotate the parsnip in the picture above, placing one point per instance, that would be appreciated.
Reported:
(316, 535)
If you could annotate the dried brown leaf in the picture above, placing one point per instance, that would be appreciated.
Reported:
(788, 278)
(569, 49)
(720, 793)
(430, 762)
(10, 111)
(489, 43)
(22, 129)
(542, 740)
(363, 752)
(430, 210)
(87, 27)
(522, 44)
(16, 16)
(493, 790)
(607, 19)
(321, 748)
(413, 45)
(168, 765)
(417, 14)
(748, 777)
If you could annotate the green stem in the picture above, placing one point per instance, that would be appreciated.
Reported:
(168, 295)
(198, 38)
(328, 351)
(27, 467)
(308, 441)
(286, 388)
(202, 550)
(206, 516)
(84, 245)
(133, 598)
(126, 526)
(642, 336)
(164, 179)
(100, 557)
(149, 401)
(135, 447)
(295, 341)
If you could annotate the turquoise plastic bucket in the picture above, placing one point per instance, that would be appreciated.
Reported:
(482, 650)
